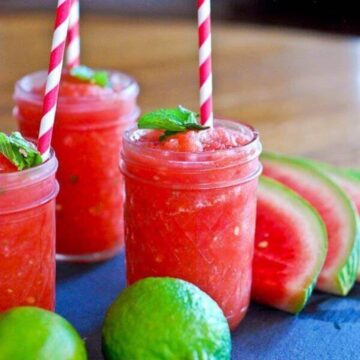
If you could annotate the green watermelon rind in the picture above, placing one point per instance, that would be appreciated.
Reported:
(345, 275)
(347, 174)
(352, 174)
(309, 211)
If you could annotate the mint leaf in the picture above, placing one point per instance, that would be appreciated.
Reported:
(101, 78)
(196, 127)
(84, 73)
(172, 121)
(191, 117)
(163, 119)
(19, 151)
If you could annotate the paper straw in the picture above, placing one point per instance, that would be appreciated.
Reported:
(53, 78)
(73, 41)
(205, 63)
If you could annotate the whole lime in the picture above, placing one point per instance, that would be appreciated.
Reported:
(30, 333)
(165, 318)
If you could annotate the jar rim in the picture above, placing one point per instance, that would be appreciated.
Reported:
(178, 157)
(19, 179)
(201, 170)
(23, 89)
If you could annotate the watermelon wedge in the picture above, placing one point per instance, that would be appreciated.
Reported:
(290, 248)
(337, 211)
(349, 180)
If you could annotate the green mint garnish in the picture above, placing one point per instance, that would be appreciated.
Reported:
(84, 73)
(19, 151)
(172, 121)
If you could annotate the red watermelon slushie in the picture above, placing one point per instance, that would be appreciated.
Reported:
(88, 129)
(27, 234)
(190, 209)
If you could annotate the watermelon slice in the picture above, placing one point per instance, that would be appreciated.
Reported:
(290, 248)
(349, 180)
(336, 209)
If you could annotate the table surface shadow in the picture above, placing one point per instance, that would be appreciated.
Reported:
(328, 329)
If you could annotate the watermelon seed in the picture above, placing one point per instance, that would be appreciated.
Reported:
(263, 244)
(30, 300)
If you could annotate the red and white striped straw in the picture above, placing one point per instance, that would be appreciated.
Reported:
(73, 41)
(205, 63)
(53, 78)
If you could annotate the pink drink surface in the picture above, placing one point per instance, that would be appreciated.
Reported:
(177, 226)
(5, 165)
(191, 141)
(87, 140)
(27, 246)
(73, 88)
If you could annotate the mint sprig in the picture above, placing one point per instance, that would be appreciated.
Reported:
(19, 151)
(172, 121)
(84, 73)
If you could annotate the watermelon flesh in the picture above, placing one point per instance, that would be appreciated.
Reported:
(337, 211)
(290, 248)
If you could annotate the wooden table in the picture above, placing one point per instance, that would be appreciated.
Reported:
(301, 90)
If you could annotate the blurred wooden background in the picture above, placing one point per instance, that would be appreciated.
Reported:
(325, 15)
(129, 7)
(300, 89)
